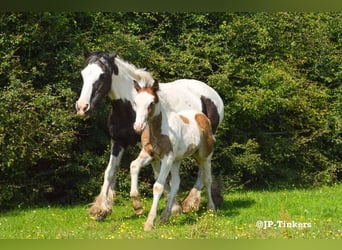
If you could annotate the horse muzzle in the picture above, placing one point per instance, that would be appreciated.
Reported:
(82, 107)
(139, 127)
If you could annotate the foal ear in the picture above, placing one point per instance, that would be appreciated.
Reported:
(136, 86)
(155, 86)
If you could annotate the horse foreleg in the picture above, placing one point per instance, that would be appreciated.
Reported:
(158, 189)
(193, 200)
(142, 160)
(175, 181)
(103, 203)
(176, 207)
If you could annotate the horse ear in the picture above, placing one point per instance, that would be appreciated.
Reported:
(136, 85)
(155, 86)
(86, 52)
(114, 54)
(112, 58)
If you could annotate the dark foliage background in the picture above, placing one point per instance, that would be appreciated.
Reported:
(278, 73)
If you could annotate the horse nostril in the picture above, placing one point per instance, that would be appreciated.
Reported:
(82, 107)
(86, 107)
(76, 106)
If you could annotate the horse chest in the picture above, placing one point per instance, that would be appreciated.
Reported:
(120, 123)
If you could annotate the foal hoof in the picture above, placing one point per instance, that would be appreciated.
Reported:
(165, 215)
(138, 211)
(137, 205)
(148, 227)
(176, 210)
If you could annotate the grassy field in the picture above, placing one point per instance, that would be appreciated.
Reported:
(286, 214)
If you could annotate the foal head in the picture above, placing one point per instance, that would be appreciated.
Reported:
(146, 104)
(97, 79)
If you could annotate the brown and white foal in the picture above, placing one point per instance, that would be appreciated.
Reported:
(169, 136)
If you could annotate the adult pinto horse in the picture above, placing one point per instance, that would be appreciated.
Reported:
(106, 74)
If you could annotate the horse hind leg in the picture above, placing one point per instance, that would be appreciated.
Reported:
(192, 202)
(176, 207)
(102, 206)
(207, 179)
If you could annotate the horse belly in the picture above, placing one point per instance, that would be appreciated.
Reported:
(188, 135)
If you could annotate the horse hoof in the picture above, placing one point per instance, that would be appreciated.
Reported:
(192, 202)
(138, 211)
(176, 210)
(98, 214)
(148, 227)
(137, 205)
(190, 206)
(163, 220)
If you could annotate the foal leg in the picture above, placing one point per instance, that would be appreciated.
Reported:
(142, 160)
(176, 207)
(158, 189)
(103, 203)
(175, 181)
(193, 200)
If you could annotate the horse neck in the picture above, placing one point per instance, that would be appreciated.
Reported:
(160, 117)
(122, 84)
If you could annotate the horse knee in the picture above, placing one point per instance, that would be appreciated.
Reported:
(158, 188)
(134, 168)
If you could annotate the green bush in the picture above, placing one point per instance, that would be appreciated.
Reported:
(279, 75)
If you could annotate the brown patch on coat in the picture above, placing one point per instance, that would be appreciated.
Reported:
(206, 133)
(153, 141)
(146, 141)
(184, 119)
(152, 90)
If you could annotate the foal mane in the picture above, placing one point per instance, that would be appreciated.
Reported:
(144, 77)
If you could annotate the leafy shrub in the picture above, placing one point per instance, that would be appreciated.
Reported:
(279, 75)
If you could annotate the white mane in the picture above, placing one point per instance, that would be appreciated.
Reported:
(141, 75)
(144, 77)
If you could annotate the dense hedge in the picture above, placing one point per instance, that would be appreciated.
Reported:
(279, 75)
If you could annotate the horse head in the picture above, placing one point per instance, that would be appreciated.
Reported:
(97, 79)
(145, 104)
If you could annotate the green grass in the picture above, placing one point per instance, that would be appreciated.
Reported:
(321, 208)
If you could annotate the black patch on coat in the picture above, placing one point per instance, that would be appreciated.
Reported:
(210, 110)
(115, 149)
(120, 123)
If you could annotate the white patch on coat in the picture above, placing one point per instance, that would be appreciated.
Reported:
(141, 104)
(90, 75)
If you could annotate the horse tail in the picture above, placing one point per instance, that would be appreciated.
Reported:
(211, 111)
(216, 190)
